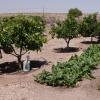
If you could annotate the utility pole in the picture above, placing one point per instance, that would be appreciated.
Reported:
(43, 12)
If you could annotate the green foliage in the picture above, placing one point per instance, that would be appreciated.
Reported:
(22, 32)
(56, 29)
(88, 25)
(70, 72)
(97, 31)
(67, 29)
(74, 12)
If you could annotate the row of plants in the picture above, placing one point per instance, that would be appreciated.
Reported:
(75, 25)
(25, 33)
(72, 71)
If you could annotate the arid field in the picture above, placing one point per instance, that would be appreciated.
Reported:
(21, 86)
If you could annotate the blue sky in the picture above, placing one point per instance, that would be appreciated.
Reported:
(10, 6)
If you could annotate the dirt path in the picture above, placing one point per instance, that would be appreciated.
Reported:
(22, 86)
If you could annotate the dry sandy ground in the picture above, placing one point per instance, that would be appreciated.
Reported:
(21, 86)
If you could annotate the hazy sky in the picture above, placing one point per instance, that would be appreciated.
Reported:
(48, 5)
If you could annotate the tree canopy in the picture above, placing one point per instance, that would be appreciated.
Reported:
(97, 31)
(23, 33)
(88, 25)
(75, 12)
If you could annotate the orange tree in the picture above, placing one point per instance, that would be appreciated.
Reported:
(88, 26)
(68, 29)
(23, 33)
(97, 31)
(75, 12)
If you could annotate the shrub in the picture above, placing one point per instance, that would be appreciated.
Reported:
(75, 69)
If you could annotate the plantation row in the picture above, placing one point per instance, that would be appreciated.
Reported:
(75, 69)
(72, 27)
(26, 32)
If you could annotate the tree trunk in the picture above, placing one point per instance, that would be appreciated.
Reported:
(68, 44)
(19, 62)
(0, 54)
(99, 39)
(67, 41)
(91, 39)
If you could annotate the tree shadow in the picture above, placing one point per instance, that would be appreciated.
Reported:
(8, 67)
(66, 50)
(12, 67)
(89, 42)
(37, 63)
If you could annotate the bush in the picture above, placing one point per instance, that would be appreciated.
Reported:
(70, 72)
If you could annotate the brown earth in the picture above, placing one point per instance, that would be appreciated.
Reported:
(21, 86)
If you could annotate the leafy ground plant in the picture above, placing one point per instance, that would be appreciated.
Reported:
(70, 72)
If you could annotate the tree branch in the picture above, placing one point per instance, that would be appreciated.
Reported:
(13, 54)
(25, 52)
(14, 51)
(20, 51)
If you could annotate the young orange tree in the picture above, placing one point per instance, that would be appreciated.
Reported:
(97, 31)
(88, 26)
(68, 29)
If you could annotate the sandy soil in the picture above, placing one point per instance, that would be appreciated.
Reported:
(21, 86)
